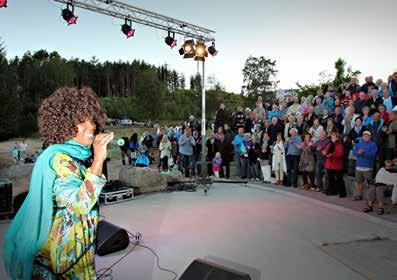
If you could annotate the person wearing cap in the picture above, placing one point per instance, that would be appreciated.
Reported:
(378, 130)
(365, 153)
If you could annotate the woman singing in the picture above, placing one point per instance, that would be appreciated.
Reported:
(53, 234)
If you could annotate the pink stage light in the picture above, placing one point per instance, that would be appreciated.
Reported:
(3, 3)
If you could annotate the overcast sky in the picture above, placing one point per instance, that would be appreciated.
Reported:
(304, 37)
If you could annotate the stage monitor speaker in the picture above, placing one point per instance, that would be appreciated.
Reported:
(201, 269)
(110, 238)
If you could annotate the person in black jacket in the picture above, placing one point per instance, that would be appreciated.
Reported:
(225, 148)
(357, 131)
(368, 83)
(253, 156)
(221, 117)
(124, 144)
(360, 103)
(274, 129)
(374, 101)
(195, 168)
(239, 119)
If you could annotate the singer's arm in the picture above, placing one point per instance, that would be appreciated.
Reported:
(75, 187)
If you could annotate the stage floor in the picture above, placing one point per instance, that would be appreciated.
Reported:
(270, 234)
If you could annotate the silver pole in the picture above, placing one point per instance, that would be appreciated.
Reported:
(203, 127)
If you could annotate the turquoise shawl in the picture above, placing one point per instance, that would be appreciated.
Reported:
(31, 226)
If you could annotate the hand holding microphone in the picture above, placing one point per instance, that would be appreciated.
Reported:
(100, 146)
(100, 151)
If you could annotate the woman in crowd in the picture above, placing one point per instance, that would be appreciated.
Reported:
(366, 117)
(324, 118)
(53, 234)
(301, 126)
(264, 158)
(330, 128)
(348, 122)
(357, 131)
(253, 155)
(334, 165)
(290, 124)
(165, 152)
(316, 129)
(279, 164)
(306, 162)
(225, 148)
(309, 116)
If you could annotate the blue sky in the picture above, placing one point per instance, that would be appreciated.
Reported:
(304, 37)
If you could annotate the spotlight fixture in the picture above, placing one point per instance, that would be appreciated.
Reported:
(188, 49)
(127, 29)
(212, 50)
(170, 41)
(201, 51)
(68, 15)
(3, 3)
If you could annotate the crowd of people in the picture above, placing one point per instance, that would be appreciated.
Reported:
(347, 130)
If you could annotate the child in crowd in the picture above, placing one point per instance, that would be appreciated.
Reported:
(216, 164)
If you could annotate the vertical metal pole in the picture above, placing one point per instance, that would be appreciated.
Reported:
(203, 127)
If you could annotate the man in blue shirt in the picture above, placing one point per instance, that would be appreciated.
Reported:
(292, 149)
(186, 143)
(365, 153)
(238, 148)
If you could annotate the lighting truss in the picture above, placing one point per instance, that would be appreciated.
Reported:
(123, 11)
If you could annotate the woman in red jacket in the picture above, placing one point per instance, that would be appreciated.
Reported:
(334, 166)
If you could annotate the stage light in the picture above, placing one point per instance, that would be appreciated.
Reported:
(127, 29)
(201, 51)
(3, 3)
(188, 49)
(188, 46)
(212, 50)
(68, 15)
(170, 41)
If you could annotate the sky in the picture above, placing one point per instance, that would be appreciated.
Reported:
(305, 37)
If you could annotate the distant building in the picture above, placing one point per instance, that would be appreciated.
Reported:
(286, 93)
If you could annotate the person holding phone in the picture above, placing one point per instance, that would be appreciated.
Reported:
(53, 234)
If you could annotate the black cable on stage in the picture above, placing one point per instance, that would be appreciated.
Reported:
(106, 269)
(137, 237)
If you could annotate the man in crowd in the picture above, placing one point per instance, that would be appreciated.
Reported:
(186, 144)
(238, 149)
(365, 153)
(292, 150)
(221, 116)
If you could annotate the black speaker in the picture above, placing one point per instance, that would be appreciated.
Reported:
(5, 196)
(201, 269)
(110, 238)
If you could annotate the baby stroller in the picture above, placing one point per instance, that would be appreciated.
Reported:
(143, 159)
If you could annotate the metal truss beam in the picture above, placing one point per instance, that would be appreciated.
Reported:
(123, 11)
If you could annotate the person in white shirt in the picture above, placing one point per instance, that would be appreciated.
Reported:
(315, 130)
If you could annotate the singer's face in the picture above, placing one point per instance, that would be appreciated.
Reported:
(85, 135)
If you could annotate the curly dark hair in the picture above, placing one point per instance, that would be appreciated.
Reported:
(64, 109)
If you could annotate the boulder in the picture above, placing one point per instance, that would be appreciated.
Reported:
(146, 179)
(176, 176)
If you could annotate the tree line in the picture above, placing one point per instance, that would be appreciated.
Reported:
(134, 89)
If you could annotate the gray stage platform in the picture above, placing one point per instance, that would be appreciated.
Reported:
(273, 235)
